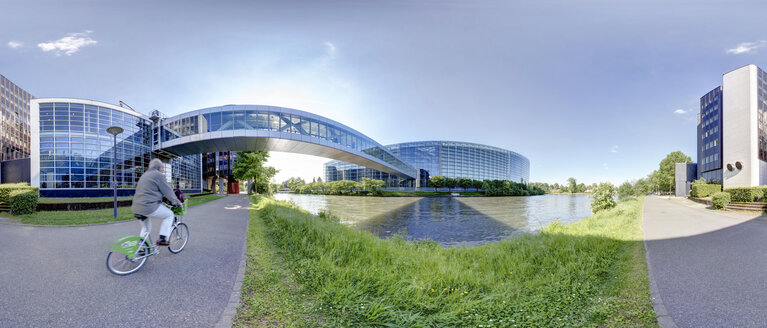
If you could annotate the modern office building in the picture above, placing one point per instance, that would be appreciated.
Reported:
(72, 155)
(710, 136)
(732, 130)
(14, 121)
(452, 159)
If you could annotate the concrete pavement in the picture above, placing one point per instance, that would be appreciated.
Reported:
(57, 276)
(710, 267)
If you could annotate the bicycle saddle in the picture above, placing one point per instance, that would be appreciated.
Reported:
(140, 217)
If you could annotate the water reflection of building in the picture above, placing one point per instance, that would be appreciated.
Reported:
(452, 159)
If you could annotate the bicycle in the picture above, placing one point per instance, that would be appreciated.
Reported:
(130, 253)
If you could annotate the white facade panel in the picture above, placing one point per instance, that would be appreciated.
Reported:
(739, 127)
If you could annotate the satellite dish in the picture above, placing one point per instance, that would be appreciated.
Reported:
(729, 167)
(738, 165)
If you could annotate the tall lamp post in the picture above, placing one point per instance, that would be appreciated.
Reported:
(114, 131)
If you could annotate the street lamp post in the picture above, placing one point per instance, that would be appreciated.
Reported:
(114, 131)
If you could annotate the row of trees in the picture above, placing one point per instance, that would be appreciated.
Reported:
(660, 180)
(342, 187)
(491, 187)
(572, 186)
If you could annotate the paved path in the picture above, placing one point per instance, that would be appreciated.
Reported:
(710, 267)
(57, 276)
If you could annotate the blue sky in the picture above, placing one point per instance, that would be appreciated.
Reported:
(597, 90)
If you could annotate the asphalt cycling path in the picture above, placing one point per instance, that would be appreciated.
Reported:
(57, 276)
(710, 267)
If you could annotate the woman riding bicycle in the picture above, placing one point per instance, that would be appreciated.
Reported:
(147, 201)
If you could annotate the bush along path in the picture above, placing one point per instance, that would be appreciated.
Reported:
(305, 270)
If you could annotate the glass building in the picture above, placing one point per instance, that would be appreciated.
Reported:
(710, 136)
(75, 155)
(452, 159)
(14, 121)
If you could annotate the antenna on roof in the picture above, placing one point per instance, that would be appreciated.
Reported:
(124, 105)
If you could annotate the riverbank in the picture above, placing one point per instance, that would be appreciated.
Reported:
(304, 270)
(408, 194)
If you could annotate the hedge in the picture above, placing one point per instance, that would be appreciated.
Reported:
(720, 200)
(746, 194)
(703, 190)
(6, 188)
(23, 201)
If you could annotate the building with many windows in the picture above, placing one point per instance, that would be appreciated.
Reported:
(452, 159)
(14, 121)
(732, 130)
(74, 156)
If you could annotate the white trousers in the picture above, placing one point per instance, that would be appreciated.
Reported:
(162, 212)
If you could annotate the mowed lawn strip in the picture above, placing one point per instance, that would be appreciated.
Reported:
(591, 273)
(270, 296)
(93, 216)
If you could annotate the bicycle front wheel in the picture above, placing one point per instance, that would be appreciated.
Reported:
(121, 265)
(178, 238)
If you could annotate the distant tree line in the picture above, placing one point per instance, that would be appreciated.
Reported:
(490, 187)
(342, 187)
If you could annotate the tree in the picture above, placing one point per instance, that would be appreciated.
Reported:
(625, 190)
(437, 181)
(665, 178)
(250, 166)
(465, 183)
(572, 184)
(477, 184)
(580, 188)
(450, 183)
(293, 183)
(641, 187)
(603, 197)
(372, 185)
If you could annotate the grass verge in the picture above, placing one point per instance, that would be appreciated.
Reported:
(591, 273)
(93, 216)
(270, 295)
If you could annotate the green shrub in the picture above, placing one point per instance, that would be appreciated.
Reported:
(720, 200)
(745, 194)
(603, 197)
(23, 201)
(6, 188)
(703, 190)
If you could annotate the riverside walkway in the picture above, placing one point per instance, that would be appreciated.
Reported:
(57, 276)
(710, 267)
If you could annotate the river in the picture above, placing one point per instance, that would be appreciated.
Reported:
(450, 221)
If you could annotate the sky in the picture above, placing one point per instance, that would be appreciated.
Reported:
(596, 90)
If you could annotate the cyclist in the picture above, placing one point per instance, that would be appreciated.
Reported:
(147, 201)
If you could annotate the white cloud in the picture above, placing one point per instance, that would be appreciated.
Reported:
(746, 47)
(14, 44)
(681, 111)
(614, 149)
(604, 165)
(69, 44)
(331, 50)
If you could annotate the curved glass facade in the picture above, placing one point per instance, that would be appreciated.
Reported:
(452, 159)
(76, 153)
(319, 130)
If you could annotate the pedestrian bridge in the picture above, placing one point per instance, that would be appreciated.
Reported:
(256, 127)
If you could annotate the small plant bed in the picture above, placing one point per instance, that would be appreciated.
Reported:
(93, 216)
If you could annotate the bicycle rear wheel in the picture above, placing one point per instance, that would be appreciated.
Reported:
(178, 238)
(121, 265)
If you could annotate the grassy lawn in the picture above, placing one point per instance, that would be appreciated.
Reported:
(80, 200)
(304, 270)
(93, 216)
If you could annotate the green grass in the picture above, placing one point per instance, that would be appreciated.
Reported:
(80, 200)
(93, 216)
(270, 296)
(57, 200)
(588, 274)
